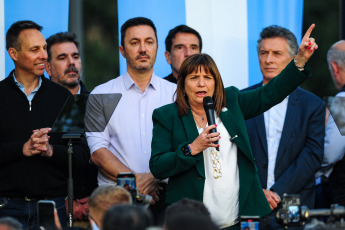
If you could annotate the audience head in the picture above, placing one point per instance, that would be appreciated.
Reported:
(103, 197)
(9, 223)
(188, 214)
(194, 64)
(127, 217)
(181, 42)
(139, 44)
(187, 205)
(189, 221)
(336, 63)
(276, 47)
(27, 48)
(64, 63)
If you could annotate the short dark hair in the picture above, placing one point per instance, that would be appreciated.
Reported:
(14, 31)
(180, 29)
(190, 65)
(60, 38)
(127, 217)
(275, 31)
(187, 205)
(138, 21)
(190, 221)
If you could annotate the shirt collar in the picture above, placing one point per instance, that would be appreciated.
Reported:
(21, 86)
(128, 81)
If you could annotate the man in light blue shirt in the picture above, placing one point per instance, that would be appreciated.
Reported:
(333, 161)
(125, 144)
(287, 140)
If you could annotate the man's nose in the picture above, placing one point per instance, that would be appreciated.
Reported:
(188, 52)
(269, 58)
(142, 47)
(43, 54)
(71, 60)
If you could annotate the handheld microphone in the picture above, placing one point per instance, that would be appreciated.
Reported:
(209, 109)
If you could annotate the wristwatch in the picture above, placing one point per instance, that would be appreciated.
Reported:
(186, 150)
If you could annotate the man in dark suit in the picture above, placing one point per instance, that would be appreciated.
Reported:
(181, 42)
(64, 62)
(287, 140)
(64, 67)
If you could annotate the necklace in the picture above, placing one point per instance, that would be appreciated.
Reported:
(197, 122)
(215, 157)
(216, 163)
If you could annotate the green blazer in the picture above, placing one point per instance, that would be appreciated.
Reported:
(186, 173)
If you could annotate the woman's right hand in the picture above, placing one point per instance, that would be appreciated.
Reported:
(204, 140)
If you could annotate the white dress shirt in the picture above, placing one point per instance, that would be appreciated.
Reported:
(128, 134)
(274, 123)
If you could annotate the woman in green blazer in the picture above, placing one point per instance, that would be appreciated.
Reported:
(183, 148)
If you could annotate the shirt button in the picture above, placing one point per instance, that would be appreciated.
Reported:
(143, 134)
(143, 115)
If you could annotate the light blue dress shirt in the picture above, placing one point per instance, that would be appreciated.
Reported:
(334, 146)
(128, 134)
(22, 88)
(274, 123)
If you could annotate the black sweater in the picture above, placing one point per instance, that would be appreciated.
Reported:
(34, 176)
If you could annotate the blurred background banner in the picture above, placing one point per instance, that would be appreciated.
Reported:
(52, 15)
(229, 29)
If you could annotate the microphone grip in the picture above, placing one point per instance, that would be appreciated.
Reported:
(212, 121)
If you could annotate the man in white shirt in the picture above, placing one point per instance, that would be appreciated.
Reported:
(287, 140)
(125, 144)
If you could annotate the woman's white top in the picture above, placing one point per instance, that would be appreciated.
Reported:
(221, 196)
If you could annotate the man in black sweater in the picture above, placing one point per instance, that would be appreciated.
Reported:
(34, 161)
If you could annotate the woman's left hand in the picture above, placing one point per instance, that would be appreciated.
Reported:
(306, 48)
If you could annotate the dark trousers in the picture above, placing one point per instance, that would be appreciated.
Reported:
(158, 209)
(25, 211)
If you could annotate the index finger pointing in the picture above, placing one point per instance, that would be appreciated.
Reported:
(310, 29)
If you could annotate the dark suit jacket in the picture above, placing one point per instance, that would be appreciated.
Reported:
(300, 150)
(187, 174)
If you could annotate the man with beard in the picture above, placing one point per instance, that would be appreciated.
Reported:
(125, 143)
(64, 63)
(64, 68)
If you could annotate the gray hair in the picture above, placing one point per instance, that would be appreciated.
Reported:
(336, 55)
(275, 31)
(11, 222)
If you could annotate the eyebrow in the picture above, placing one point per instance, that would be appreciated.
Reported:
(64, 54)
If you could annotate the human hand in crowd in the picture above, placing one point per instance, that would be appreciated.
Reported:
(306, 48)
(272, 198)
(204, 140)
(147, 184)
(57, 220)
(38, 144)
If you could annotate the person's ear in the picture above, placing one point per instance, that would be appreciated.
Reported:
(48, 69)
(122, 50)
(335, 67)
(13, 53)
(167, 57)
